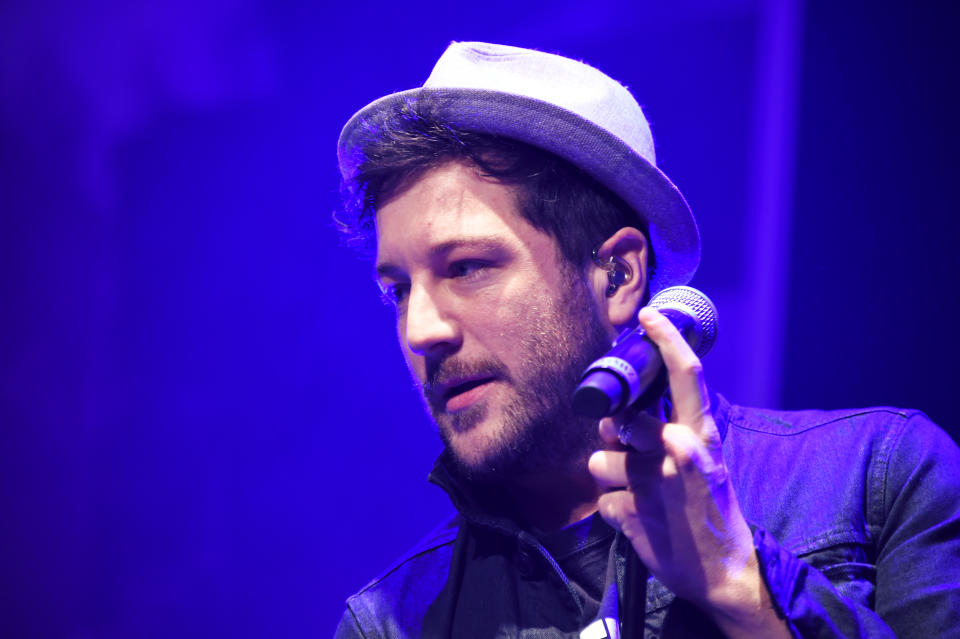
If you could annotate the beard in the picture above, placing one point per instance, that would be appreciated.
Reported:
(538, 429)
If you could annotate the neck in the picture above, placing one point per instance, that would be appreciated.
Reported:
(551, 500)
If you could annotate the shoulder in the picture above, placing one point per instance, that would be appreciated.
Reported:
(879, 435)
(821, 477)
(393, 604)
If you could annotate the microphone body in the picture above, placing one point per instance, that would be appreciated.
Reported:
(632, 372)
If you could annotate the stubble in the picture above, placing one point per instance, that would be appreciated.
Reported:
(539, 430)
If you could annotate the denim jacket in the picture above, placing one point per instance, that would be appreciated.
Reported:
(856, 520)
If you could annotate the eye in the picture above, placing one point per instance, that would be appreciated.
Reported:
(394, 294)
(466, 268)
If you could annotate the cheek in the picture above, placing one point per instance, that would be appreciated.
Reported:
(503, 327)
(498, 315)
(522, 308)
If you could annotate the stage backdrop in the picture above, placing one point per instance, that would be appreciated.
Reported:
(208, 429)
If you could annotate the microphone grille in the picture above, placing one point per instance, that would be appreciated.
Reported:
(695, 304)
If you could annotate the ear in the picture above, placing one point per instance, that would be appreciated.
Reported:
(619, 275)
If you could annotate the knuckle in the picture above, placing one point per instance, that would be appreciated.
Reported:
(717, 475)
(609, 507)
(682, 446)
(683, 459)
(691, 365)
(711, 439)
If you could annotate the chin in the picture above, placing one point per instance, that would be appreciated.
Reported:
(482, 451)
(475, 445)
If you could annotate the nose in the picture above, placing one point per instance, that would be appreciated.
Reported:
(429, 323)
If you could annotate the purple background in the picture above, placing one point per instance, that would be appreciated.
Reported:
(207, 426)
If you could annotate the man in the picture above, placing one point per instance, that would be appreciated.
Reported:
(519, 224)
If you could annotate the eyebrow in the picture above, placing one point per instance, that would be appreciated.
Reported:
(483, 242)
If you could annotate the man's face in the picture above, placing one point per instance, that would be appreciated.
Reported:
(495, 328)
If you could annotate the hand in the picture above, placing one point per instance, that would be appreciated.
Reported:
(670, 494)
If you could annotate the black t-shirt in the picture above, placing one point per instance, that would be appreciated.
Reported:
(582, 550)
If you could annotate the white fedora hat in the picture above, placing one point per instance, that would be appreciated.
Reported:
(562, 106)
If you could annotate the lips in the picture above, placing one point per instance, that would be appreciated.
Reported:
(459, 394)
(453, 383)
(464, 387)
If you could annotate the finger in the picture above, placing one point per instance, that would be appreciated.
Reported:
(617, 508)
(619, 469)
(637, 430)
(688, 389)
(609, 468)
(687, 454)
(642, 433)
(610, 433)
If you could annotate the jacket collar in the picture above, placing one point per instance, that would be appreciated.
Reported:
(483, 505)
(478, 504)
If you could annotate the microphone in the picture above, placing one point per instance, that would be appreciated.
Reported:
(632, 371)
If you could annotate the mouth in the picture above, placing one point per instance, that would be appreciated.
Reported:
(461, 395)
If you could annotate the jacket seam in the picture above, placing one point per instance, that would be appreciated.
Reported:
(357, 603)
(882, 479)
(824, 541)
(356, 620)
(434, 546)
(737, 422)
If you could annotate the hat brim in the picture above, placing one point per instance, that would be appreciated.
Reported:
(673, 231)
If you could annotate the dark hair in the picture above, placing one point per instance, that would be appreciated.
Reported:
(554, 196)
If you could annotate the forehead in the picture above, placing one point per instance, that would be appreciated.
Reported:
(450, 205)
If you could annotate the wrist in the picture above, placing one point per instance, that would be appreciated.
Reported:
(742, 606)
